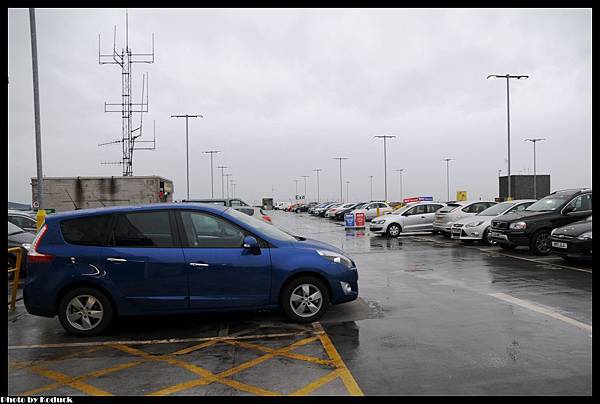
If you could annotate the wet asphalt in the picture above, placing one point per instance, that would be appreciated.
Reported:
(434, 318)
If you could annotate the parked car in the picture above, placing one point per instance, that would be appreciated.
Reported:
(341, 213)
(17, 237)
(321, 211)
(88, 266)
(281, 205)
(532, 226)
(453, 211)
(573, 241)
(318, 206)
(374, 209)
(413, 217)
(305, 207)
(24, 220)
(236, 204)
(331, 211)
(477, 228)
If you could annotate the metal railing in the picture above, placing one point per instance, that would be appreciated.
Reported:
(18, 252)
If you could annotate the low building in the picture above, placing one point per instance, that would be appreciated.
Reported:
(72, 193)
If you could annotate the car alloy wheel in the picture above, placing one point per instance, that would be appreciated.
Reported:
(486, 239)
(394, 230)
(306, 300)
(541, 242)
(84, 312)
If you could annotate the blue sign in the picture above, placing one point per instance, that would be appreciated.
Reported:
(349, 219)
(426, 198)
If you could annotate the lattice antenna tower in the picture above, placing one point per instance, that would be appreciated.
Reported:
(130, 134)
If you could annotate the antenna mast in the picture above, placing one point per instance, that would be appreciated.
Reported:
(125, 59)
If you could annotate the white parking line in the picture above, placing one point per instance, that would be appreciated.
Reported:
(543, 261)
(542, 310)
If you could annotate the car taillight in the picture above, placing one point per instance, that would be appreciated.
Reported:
(34, 256)
(267, 218)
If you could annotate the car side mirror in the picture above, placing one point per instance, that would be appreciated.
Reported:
(250, 243)
(568, 210)
(367, 208)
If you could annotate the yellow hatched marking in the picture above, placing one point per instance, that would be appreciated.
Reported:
(69, 381)
(317, 383)
(293, 355)
(345, 374)
(23, 364)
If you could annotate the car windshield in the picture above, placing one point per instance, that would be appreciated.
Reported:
(348, 205)
(449, 207)
(266, 228)
(497, 209)
(402, 210)
(14, 229)
(360, 205)
(549, 203)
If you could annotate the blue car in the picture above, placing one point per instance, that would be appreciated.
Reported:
(90, 266)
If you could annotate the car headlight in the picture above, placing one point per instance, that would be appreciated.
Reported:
(518, 226)
(552, 232)
(380, 221)
(586, 236)
(474, 224)
(335, 257)
(27, 246)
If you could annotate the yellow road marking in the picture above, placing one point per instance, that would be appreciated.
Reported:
(293, 355)
(23, 364)
(345, 374)
(317, 383)
(542, 310)
(69, 381)
(211, 343)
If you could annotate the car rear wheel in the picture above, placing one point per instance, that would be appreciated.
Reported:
(305, 299)
(486, 240)
(540, 242)
(85, 311)
(394, 230)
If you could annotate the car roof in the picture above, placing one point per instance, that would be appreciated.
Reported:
(137, 208)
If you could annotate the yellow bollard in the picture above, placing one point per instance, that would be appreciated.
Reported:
(377, 212)
(40, 217)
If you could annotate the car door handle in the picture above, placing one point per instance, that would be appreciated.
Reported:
(198, 264)
(423, 217)
(112, 259)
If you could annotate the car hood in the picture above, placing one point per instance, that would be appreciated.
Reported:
(575, 229)
(475, 218)
(523, 214)
(316, 244)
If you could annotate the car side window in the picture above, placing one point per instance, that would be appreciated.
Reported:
(22, 222)
(204, 230)
(581, 203)
(90, 231)
(469, 209)
(142, 229)
(411, 211)
(421, 209)
(433, 208)
(519, 207)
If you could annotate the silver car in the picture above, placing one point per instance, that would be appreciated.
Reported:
(374, 209)
(476, 228)
(453, 211)
(414, 217)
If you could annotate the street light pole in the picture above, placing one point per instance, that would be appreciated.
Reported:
(187, 154)
(371, 177)
(508, 77)
(227, 181)
(384, 137)
(211, 152)
(36, 110)
(400, 170)
(233, 184)
(222, 180)
(341, 186)
(305, 177)
(447, 160)
(347, 184)
(318, 193)
(534, 141)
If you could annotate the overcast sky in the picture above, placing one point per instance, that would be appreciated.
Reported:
(284, 91)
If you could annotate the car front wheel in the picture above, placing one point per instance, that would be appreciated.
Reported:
(540, 242)
(305, 299)
(85, 311)
(394, 230)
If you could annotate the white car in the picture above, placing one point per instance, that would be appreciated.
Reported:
(374, 209)
(334, 208)
(476, 228)
(411, 218)
(453, 211)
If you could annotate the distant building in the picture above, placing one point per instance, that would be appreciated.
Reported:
(522, 186)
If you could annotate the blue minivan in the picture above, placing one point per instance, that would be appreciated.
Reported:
(89, 266)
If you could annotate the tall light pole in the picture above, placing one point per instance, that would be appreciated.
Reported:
(36, 110)
(508, 77)
(233, 184)
(384, 137)
(222, 180)
(227, 181)
(318, 193)
(400, 170)
(371, 177)
(305, 177)
(341, 186)
(211, 152)
(534, 141)
(447, 160)
(347, 197)
(187, 154)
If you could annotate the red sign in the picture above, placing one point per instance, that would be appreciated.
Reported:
(360, 219)
(409, 200)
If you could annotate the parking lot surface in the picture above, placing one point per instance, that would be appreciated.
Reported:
(434, 317)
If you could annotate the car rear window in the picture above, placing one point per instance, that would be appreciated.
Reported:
(449, 208)
(90, 230)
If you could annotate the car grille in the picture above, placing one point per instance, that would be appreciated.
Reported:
(562, 237)
(499, 225)
(458, 225)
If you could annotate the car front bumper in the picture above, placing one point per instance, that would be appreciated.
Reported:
(508, 237)
(574, 248)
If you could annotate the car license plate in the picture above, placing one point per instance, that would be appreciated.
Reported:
(559, 245)
(497, 235)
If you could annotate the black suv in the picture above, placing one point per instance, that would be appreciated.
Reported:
(531, 227)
